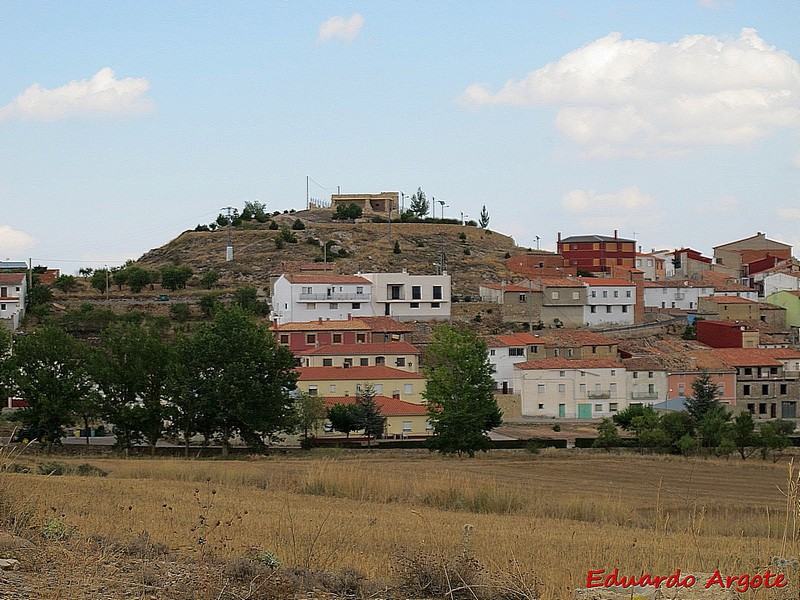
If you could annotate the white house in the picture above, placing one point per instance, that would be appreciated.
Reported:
(772, 283)
(13, 294)
(646, 380)
(682, 294)
(407, 297)
(563, 388)
(507, 350)
(608, 301)
(310, 297)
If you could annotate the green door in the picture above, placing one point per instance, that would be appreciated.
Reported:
(584, 411)
(562, 411)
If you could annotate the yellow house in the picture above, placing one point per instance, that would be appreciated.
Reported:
(340, 381)
(403, 419)
(400, 355)
(728, 308)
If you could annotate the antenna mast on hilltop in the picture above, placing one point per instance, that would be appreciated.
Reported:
(229, 249)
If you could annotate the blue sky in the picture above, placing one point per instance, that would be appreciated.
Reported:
(123, 124)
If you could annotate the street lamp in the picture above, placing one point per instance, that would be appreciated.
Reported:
(463, 216)
(443, 207)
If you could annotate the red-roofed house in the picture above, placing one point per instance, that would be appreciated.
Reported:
(562, 388)
(400, 355)
(13, 292)
(507, 350)
(338, 381)
(404, 420)
(726, 334)
(540, 263)
(359, 330)
(597, 253)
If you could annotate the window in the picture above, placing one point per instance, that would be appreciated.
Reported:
(562, 388)
(311, 306)
(608, 309)
(746, 390)
(516, 351)
(649, 374)
(598, 408)
(554, 295)
(762, 408)
(361, 338)
(522, 298)
(613, 407)
(636, 375)
(311, 338)
(327, 362)
(312, 390)
(651, 388)
(562, 373)
(491, 352)
(681, 389)
(593, 309)
(416, 292)
(2, 306)
(576, 295)
(625, 308)
(748, 371)
(594, 349)
(437, 292)
(428, 426)
(406, 426)
(541, 406)
(435, 304)
(773, 370)
(395, 292)
(305, 290)
(765, 389)
(540, 388)
(359, 387)
(400, 362)
(334, 306)
(616, 293)
(556, 352)
(582, 389)
(378, 388)
(408, 388)
(534, 349)
(415, 305)
(594, 293)
(605, 294)
(364, 362)
(570, 351)
(359, 289)
(337, 338)
(783, 389)
(332, 388)
(348, 362)
(613, 389)
(613, 372)
(284, 338)
(380, 360)
(356, 305)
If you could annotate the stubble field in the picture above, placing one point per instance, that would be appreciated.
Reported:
(505, 523)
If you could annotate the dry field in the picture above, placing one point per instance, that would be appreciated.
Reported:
(505, 520)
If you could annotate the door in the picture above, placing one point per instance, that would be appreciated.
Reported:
(789, 410)
(584, 411)
(386, 310)
(773, 410)
(562, 411)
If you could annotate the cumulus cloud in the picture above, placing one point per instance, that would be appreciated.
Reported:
(643, 98)
(628, 208)
(102, 94)
(345, 29)
(13, 242)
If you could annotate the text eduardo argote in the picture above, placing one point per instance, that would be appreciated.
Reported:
(600, 578)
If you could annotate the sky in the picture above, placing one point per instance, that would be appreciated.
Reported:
(123, 124)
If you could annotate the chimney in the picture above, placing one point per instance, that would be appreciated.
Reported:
(275, 322)
(320, 319)
(349, 317)
(396, 395)
(615, 234)
(559, 236)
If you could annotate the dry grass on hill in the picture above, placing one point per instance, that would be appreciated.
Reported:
(504, 520)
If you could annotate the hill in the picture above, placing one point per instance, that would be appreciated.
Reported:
(472, 254)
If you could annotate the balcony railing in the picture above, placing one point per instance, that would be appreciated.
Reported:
(599, 395)
(335, 297)
(644, 395)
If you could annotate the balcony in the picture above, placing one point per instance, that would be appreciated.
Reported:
(335, 297)
(599, 395)
(644, 395)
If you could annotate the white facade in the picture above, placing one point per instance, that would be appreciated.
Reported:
(778, 282)
(679, 296)
(609, 303)
(13, 294)
(669, 266)
(310, 298)
(647, 386)
(503, 359)
(571, 389)
(406, 297)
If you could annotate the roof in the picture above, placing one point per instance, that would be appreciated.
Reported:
(568, 364)
(672, 404)
(5, 264)
(390, 407)
(557, 282)
(385, 324)
(594, 238)
(327, 325)
(513, 339)
(728, 300)
(573, 337)
(729, 324)
(508, 287)
(693, 254)
(325, 278)
(749, 357)
(356, 349)
(353, 373)
(606, 282)
(679, 283)
(9, 278)
(753, 237)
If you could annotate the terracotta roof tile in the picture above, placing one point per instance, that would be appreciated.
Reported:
(390, 407)
(574, 337)
(362, 349)
(353, 373)
(12, 278)
(325, 278)
(328, 325)
(606, 281)
(747, 357)
(567, 364)
(385, 324)
(513, 339)
(728, 300)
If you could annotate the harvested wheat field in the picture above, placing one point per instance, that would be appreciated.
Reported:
(398, 524)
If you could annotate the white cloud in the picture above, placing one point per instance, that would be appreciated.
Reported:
(789, 213)
(13, 242)
(796, 160)
(643, 98)
(345, 29)
(722, 206)
(628, 208)
(102, 94)
(709, 4)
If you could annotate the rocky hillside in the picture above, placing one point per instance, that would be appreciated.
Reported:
(472, 255)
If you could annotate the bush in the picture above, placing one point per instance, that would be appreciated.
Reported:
(89, 470)
(467, 251)
(298, 225)
(556, 427)
(397, 249)
(180, 312)
(462, 236)
(273, 225)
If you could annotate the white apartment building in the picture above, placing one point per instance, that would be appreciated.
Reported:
(563, 388)
(608, 301)
(310, 297)
(407, 297)
(682, 294)
(507, 350)
(13, 293)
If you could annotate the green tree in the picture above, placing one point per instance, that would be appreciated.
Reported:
(138, 278)
(49, 372)
(419, 204)
(39, 295)
(370, 418)
(246, 376)
(247, 298)
(743, 434)
(65, 283)
(310, 410)
(460, 391)
(119, 277)
(774, 436)
(209, 303)
(397, 249)
(607, 435)
(344, 418)
(298, 225)
(704, 397)
(180, 311)
(713, 428)
(175, 277)
(483, 220)
(131, 368)
(100, 279)
(677, 425)
(210, 279)
(256, 209)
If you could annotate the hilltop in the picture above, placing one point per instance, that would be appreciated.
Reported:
(472, 254)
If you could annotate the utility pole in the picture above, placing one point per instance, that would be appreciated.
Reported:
(107, 274)
(229, 248)
(308, 197)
